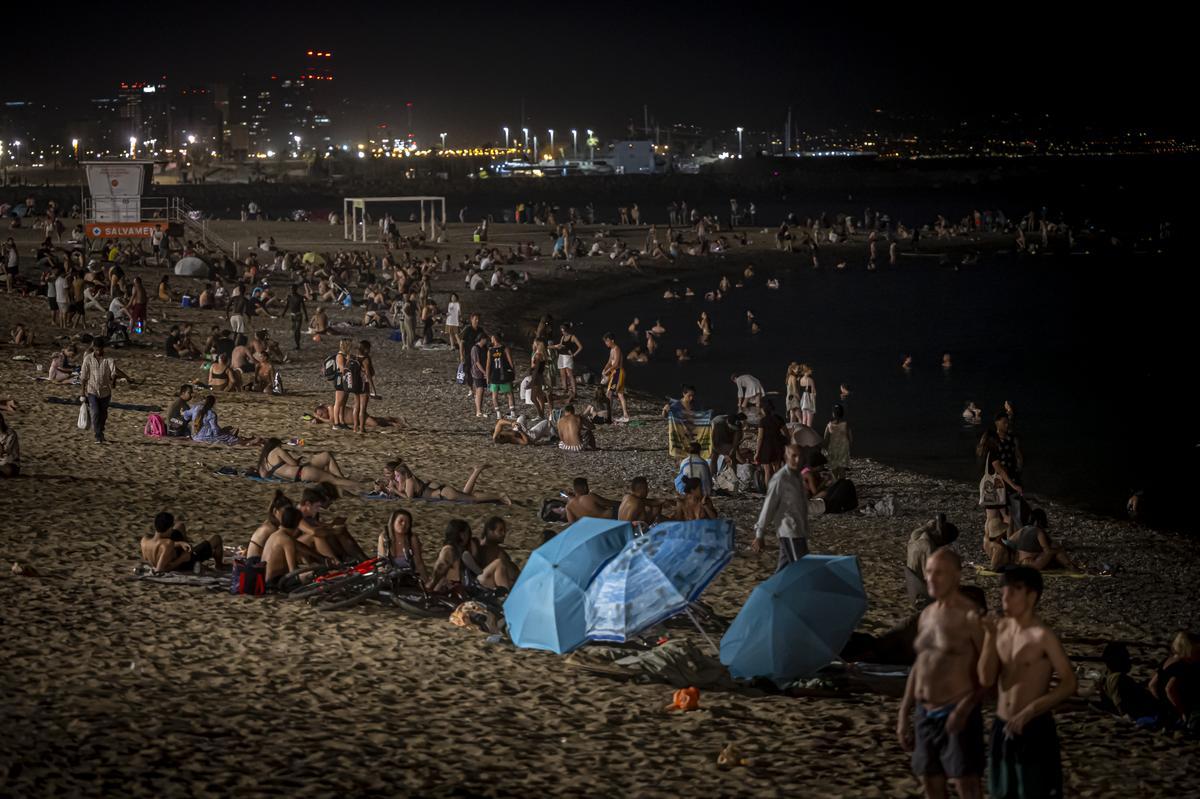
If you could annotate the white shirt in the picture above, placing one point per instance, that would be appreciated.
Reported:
(60, 289)
(748, 387)
(452, 312)
(785, 507)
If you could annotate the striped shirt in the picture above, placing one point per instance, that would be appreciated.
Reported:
(97, 375)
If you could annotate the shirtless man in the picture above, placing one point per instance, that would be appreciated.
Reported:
(284, 552)
(942, 694)
(614, 376)
(497, 569)
(635, 507)
(167, 549)
(574, 432)
(586, 504)
(332, 540)
(1021, 653)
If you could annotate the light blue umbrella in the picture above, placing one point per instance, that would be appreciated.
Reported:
(656, 576)
(545, 609)
(797, 621)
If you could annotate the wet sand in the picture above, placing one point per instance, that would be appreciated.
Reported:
(118, 687)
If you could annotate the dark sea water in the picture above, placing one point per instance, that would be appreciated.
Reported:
(1095, 354)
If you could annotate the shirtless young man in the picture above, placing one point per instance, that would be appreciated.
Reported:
(942, 694)
(1021, 653)
(586, 504)
(614, 376)
(635, 507)
(167, 549)
(497, 569)
(284, 552)
(331, 540)
(693, 504)
(574, 432)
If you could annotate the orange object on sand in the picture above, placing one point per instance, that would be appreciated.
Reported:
(686, 699)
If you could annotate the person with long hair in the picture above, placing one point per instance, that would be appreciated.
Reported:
(275, 461)
(792, 381)
(568, 348)
(399, 542)
(362, 384)
(808, 396)
(339, 384)
(838, 439)
(705, 326)
(204, 427)
(448, 569)
(258, 539)
(537, 378)
(409, 485)
(772, 438)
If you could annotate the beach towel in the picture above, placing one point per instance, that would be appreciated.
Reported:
(683, 431)
(211, 581)
(249, 474)
(986, 572)
(384, 496)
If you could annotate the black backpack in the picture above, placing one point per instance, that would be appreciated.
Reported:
(329, 369)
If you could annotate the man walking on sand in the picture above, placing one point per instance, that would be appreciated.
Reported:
(942, 695)
(98, 375)
(785, 508)
(1020, 653)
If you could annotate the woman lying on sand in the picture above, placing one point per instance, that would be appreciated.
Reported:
(323, 414)
(406, 484)
(275, 461)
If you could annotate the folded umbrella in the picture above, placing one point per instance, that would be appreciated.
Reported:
(545, 609)
(797, 621)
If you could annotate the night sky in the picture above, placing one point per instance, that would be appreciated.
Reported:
(467, 66)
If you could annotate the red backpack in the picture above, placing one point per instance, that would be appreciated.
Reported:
(248, 577)
(155, 428)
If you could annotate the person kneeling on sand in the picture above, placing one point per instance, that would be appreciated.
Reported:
(330, 539)
(167, 549)
(586, 504)
(635, 507)
(1034, 547)
(495, 568)
(575, 434)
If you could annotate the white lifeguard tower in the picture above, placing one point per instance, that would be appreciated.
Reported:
(354, 213)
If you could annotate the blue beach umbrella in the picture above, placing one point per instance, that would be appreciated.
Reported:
(545, 609)
(656, 576)
(797, 621)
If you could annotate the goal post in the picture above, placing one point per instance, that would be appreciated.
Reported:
(354, 213)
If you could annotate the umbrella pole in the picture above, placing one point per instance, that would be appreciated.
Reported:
(695, 621)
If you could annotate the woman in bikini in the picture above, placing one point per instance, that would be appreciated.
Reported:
(448, 569)
(409, 485)
(339, 384)
(361, 384)
(275, 462)
(399, 542)
(221, 377)
(258, 539)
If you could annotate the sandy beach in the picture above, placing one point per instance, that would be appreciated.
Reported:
(111, 686)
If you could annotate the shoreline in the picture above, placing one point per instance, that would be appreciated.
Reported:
(118, 686)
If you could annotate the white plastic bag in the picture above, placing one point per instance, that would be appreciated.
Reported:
(84, 421)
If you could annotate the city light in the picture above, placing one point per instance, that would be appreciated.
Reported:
(551, 142)
(506, 137)
(133, 146)
(739, 130)
(443, 135)
(191, 139)
(574, 143)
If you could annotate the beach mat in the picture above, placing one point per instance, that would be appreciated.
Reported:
(986, 572)
(118, 405)
(249, 474)
(144, 573)
(387, 497)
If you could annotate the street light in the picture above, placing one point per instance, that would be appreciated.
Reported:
(75, 148)
(17, 144)
(575, 143)
(551, 142)
(739, 130)
(297, 139)
(133, 146)
(535, 149)
(443, 142)
(191, 139)
(506, 137)
(526, 132)
(591, 146)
